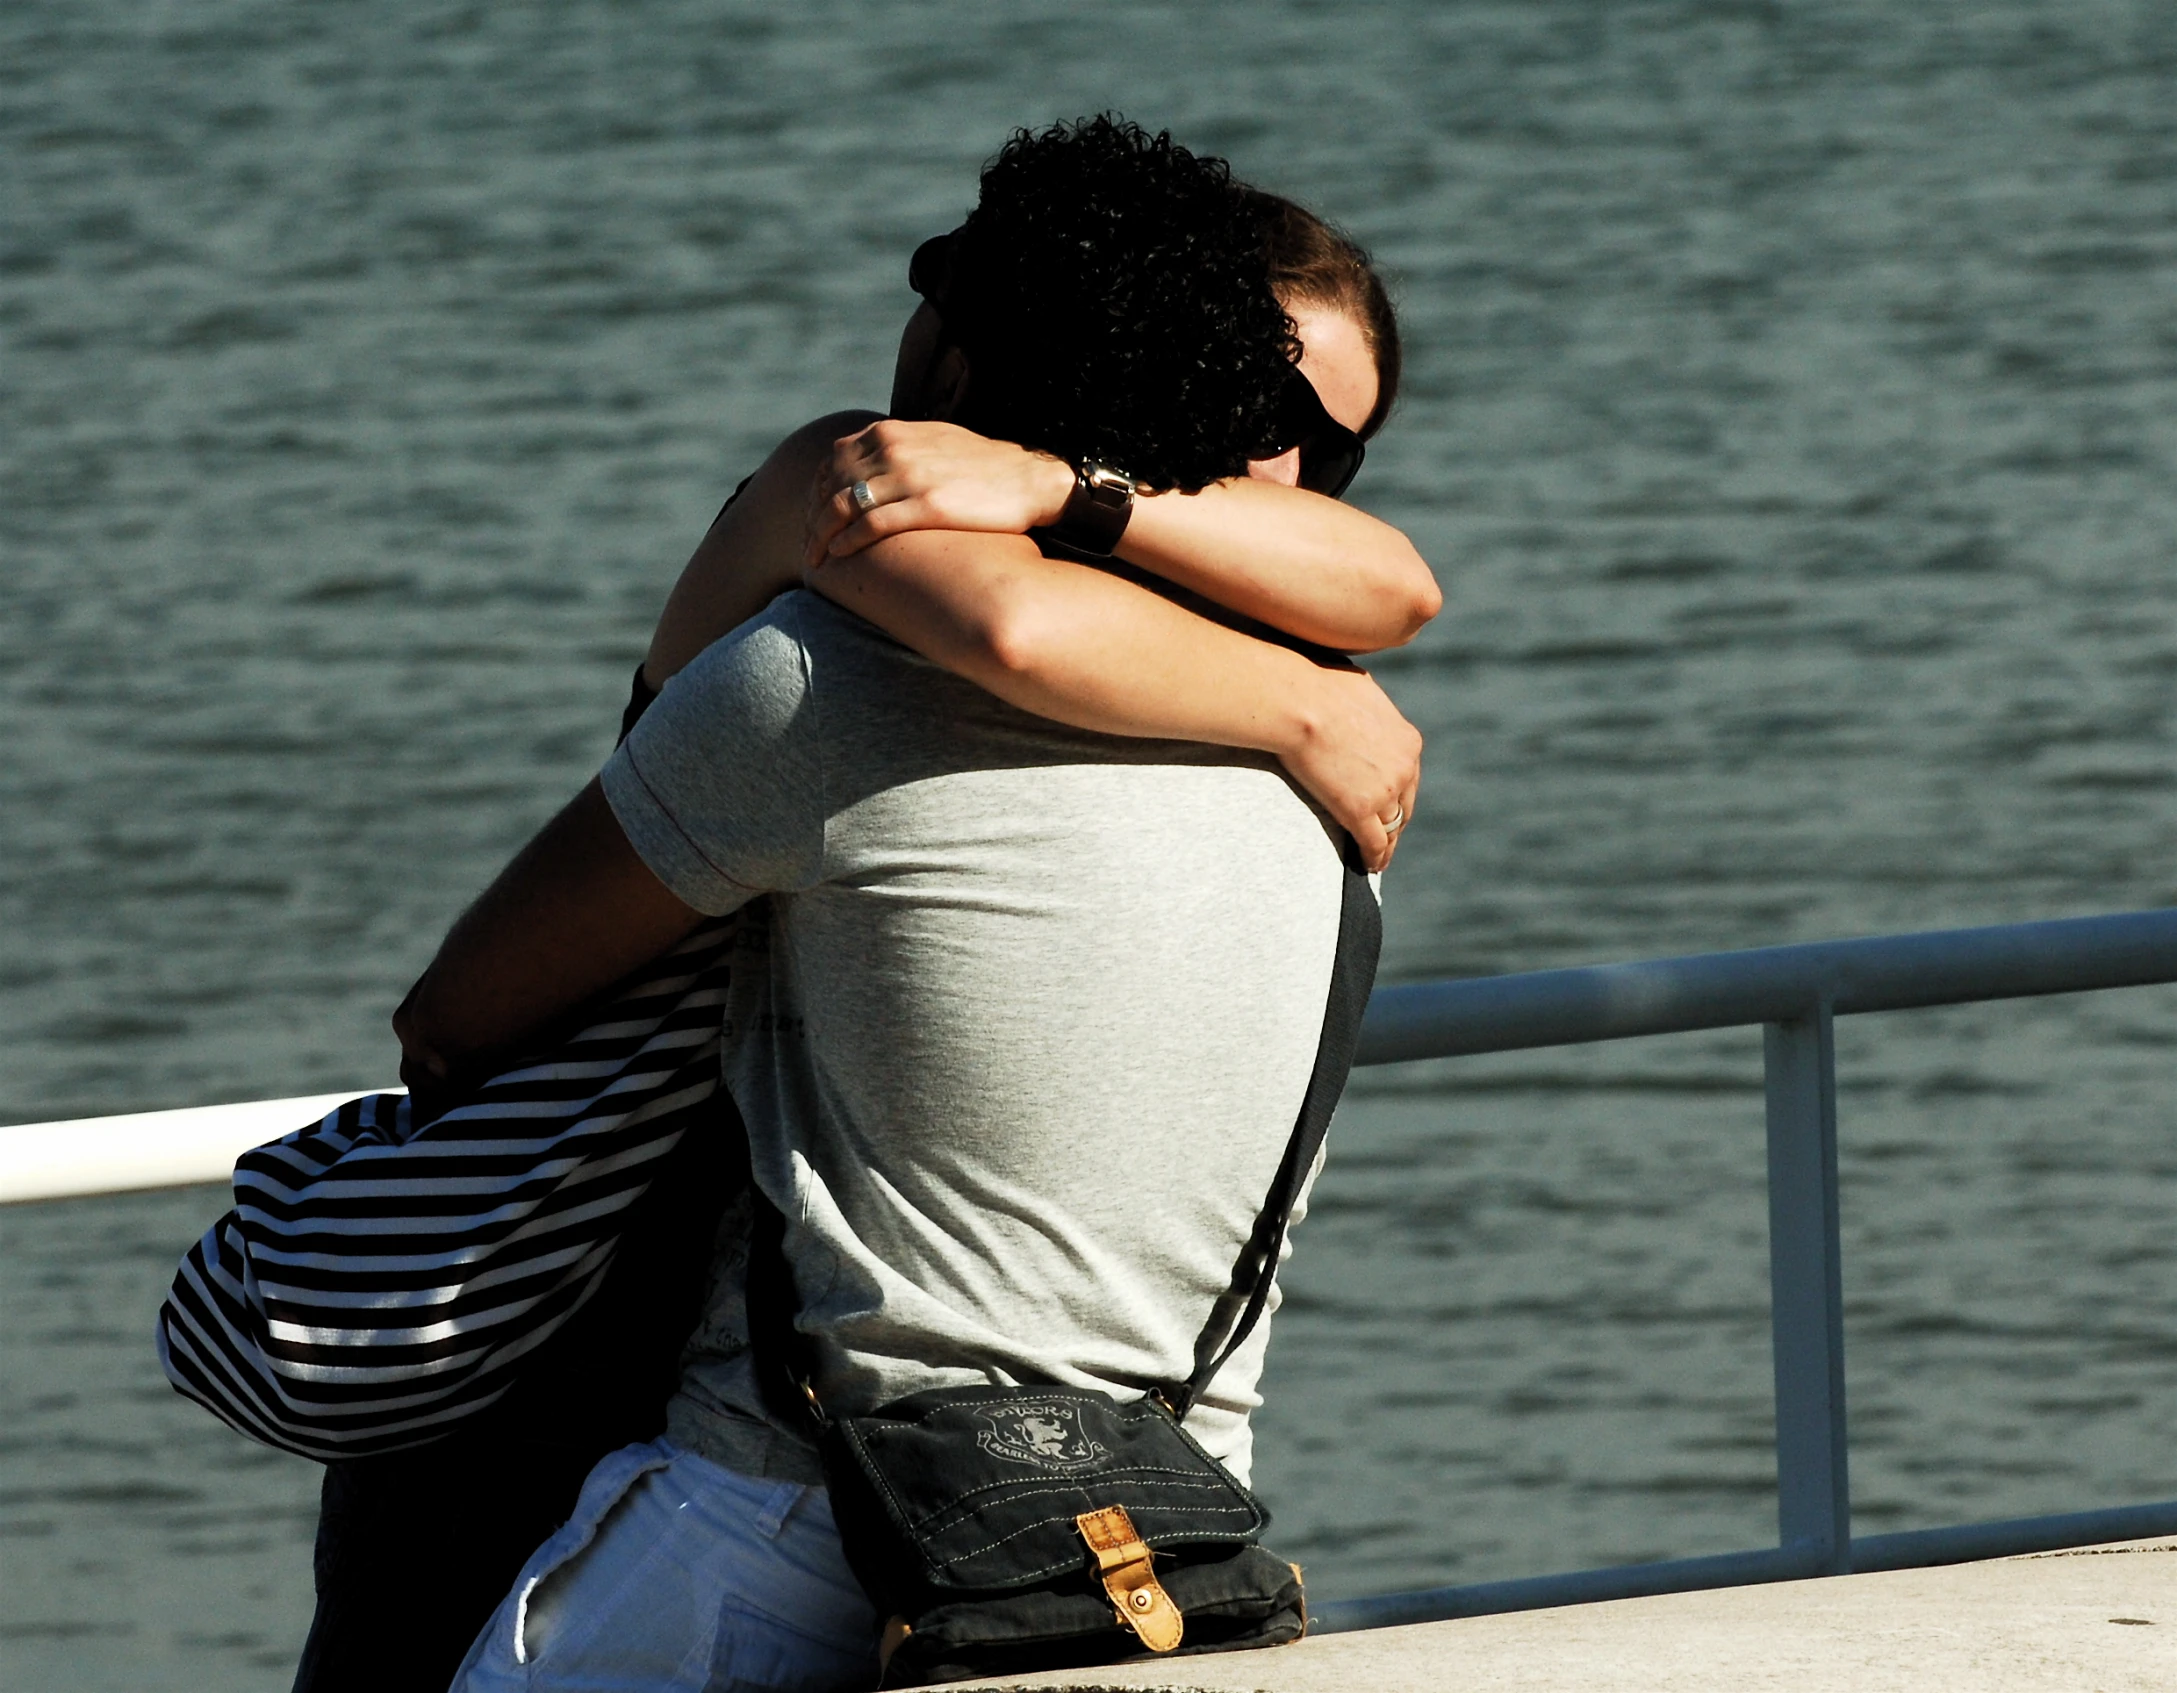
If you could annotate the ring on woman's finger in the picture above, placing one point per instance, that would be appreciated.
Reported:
(1396, 821)
(864, 501)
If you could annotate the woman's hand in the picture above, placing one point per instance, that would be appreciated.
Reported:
(1359, 758)
(929, 476)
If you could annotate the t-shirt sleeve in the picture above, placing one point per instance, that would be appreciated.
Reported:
(720, 786)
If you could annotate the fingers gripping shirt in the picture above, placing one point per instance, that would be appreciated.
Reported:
(1026, 1026)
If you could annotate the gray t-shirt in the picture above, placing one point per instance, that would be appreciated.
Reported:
(1019, 1034)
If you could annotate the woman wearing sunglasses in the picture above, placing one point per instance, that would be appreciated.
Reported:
(1186, 630)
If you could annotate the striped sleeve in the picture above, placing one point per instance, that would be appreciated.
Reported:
(374, 1285)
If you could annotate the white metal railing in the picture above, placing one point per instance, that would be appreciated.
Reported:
(1794, 992)
(148, 1148)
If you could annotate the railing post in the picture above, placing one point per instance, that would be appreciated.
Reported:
(1806, 1289)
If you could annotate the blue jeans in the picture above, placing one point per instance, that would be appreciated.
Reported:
(677, 1574)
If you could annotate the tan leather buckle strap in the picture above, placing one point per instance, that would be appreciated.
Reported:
(1123, 1560)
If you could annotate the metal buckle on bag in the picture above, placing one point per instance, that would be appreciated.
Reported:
(1123, 1560)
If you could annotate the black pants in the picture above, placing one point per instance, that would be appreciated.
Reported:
(416, 1549)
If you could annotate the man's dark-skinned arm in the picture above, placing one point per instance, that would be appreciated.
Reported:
(575, 912)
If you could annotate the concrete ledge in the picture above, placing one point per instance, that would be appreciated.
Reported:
(2099, 1619)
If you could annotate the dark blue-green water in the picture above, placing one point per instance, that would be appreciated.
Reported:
(1791, 419)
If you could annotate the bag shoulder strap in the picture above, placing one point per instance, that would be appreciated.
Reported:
(1352, 976)
(781, 1351)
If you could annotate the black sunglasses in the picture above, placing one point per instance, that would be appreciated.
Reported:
(1330, 453)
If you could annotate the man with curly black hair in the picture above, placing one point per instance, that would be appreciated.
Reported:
(1024, 1014)
(1111, 295)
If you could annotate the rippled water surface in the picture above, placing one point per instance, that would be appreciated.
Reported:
(1792, 407)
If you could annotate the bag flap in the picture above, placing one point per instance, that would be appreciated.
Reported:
(981, 1485)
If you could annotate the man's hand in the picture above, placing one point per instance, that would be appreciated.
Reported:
(1359, 757)
(929, 476)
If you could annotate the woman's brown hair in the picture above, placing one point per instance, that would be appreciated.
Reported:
(1316, 262)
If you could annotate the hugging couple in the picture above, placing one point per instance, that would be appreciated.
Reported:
(1016, 727)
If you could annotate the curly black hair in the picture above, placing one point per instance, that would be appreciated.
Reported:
(1113, 297)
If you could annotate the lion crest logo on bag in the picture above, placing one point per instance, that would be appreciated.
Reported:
(1045, 1434)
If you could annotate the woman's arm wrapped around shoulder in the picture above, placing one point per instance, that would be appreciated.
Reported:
(752, 551)
(953, 575)
(1085, 647)
(1312, 566)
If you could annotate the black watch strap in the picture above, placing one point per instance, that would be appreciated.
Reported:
(1096, 511)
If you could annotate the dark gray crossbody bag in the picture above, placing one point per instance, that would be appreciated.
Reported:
(1003, 1530)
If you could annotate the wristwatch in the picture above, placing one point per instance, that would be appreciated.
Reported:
(1096, 511)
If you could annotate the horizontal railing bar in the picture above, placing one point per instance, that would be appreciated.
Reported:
(1423, 1020)
(1580, 1587)
(145, 1149)
(1767, 984)
(1914, 1549)
(1917, 1548)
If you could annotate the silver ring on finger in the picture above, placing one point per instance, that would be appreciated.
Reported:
(864, 501)
(1396, 821)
